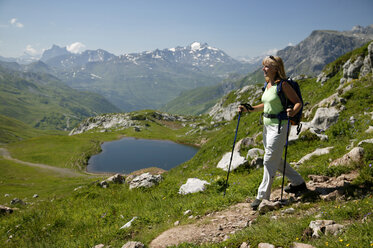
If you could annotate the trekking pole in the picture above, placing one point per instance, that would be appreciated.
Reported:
(286, 151)
(230, 162)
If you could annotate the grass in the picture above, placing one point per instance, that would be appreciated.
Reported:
(90, 215)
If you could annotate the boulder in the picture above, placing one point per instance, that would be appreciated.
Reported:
(334, 229)
(117, 178)
(133, 244)
(318, 227)
(237, 161)
(354, 156)
(267, 206)
(301, 245)
(192, 185)
(317, 152)
(266, 245)
(145, 180)
(324, 118)
(5, 210)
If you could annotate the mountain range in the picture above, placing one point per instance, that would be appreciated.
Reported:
(184, 76)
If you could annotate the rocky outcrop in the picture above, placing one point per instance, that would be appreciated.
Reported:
(359, 67)
(327, 227)
(356, 155)
(312, 54)
(145, 180)
(193, 185)
(117, 178)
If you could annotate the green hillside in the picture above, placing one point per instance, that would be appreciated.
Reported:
(200, 100)
(75, 212)
(44, 102)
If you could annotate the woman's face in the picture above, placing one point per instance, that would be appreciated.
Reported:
(269, 70)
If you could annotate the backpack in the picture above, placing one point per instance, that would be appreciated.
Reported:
(295, 120)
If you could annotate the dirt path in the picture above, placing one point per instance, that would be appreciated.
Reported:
(218, 226)
(63, 171)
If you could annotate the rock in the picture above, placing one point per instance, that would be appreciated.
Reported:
(301, 245)
(354, 156)
(370, 141)
(332, 196)
(6, 195)
(317, 152)
(99, 246)
(255, 153)
(318, 227)
(133, 244)
(17, 201)
(324, 118)
(368, 62)
(244, 245)
(318, 178)
(289, 211)
(129, 223)
(267, 206)
(334, 229)
(237, 161)
(192, 185)
(176, 223)
(266, 245)
(117, 178)
(145, 180)
(5, 210)
(188, 212)
(35, 196)
(369, 130)
(247, 142)
(354, 69)
(256, 162)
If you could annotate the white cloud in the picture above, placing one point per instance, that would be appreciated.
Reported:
(15, 23)
(271, 52)
(75, 47)
(30, 50)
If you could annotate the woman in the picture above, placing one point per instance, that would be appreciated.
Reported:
(274, 136)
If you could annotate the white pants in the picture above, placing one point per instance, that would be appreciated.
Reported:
(274, 145)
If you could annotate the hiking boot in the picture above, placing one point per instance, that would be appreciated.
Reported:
(255, 204)
(296, 189)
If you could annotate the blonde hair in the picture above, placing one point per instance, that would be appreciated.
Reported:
(277, 63)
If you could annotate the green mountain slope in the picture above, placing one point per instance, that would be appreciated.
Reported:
(201, 99)
(43, 101)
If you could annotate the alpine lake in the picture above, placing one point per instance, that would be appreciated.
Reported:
(131, 154)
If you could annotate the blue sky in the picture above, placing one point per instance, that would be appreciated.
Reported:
(240, 28)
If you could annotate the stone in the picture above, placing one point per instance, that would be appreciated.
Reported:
(318, 227)
(237, 161)
(145, 180)
(17, 201)
(354, 156)
(317, 152)
(99, 246)
(5, 210)
(255, 153)
(369, 130)
(133, 244)
(324, 118)
(193, 185)
(301, 245)
(334, 229)
(370, 141)
(129, 223)
(266, 245)
(267, 206)
(35, 196)
(318, 178)
(244, 245)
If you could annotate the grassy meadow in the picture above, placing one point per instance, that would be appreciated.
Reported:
(72, 211)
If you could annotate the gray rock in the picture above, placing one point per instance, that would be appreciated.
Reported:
(334, 229)
(266, 245)
(129, 223)
(317, 152)
(193, 185)
(318, 227)
(354, 156)
(370, 141)
(267, 206)
(325, 117)
(255, 153)
(17, 201)
(237, 161)
(301, 245)
(145, 180)
(5, 210)
(133, 244)
(244, 245)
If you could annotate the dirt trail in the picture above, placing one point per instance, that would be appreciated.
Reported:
(64, 171)
(218, 226)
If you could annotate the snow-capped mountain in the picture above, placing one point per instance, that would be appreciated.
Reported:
(143, 80)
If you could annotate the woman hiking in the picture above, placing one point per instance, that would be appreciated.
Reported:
(275, 131)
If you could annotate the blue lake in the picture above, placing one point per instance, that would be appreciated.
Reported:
(130, 154)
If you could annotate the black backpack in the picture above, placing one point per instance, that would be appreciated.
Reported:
(295, 120)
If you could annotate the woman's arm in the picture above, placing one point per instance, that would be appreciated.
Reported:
(256, 108)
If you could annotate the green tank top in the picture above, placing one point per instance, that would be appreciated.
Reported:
(272, 105)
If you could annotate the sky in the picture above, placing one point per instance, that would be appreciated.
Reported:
(241, 28)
